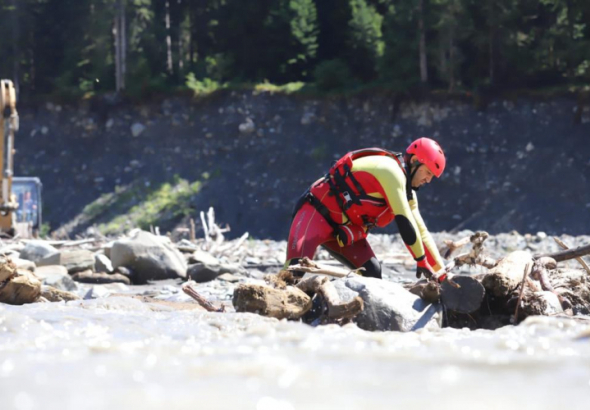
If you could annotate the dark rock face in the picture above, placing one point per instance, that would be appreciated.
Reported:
(515, 166)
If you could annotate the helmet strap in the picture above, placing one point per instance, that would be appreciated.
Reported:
(411, 170)
(414, 170)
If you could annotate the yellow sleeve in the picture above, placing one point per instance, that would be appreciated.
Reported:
(393, 180)
(432, 254)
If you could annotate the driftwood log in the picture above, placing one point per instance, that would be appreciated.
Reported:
(520, 284)
(579, 259)
(568, 254)
(189, 289)
(505, 277)
(309, 266)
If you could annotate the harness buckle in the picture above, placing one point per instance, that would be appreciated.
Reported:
(346, 196)
(348, 200)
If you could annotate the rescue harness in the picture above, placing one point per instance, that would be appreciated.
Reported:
(349, 193)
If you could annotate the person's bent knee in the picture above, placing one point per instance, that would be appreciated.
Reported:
(372, 268)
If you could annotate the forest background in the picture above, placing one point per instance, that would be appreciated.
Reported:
(80, 48)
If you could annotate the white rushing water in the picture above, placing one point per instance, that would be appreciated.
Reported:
(120, 353)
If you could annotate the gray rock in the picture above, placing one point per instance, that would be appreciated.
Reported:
(228, 277)
(202, 272)
(307, 118)
(346, 294)
(106, 248)
(137, 129)
(388, 306)
(24, 264)
(150, 257)
(100, 277)
(203, 257)
(57, 295)
(102, 263)
(74, 261)
(125, 271)
(97, 291)
(36, 250)
(56, 276)
(247, 127)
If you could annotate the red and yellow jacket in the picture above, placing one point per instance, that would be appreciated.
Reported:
(384, 182)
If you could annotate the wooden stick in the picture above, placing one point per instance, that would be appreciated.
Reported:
(453, 246)
(64, 244)
(307, 265)
(205, 304)
(579, 259)
(205, 230)
(232, 247)
(473, 257)
(568, 254)
(192, 234)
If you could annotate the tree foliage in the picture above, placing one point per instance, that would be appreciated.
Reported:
(68, 46)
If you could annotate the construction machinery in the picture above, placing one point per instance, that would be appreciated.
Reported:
(20, 198)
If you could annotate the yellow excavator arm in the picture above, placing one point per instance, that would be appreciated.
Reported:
(8, 126)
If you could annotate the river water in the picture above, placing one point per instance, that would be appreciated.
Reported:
(121, 353)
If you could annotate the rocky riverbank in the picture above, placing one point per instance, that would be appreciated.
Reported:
(152, 268)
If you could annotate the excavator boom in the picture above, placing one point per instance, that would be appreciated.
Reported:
(20, 205)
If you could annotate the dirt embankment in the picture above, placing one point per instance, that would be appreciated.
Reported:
(520, 165)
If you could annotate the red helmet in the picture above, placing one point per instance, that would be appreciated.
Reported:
(430, 154)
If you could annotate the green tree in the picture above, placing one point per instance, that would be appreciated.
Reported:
(303, 20)
(399, 64)
(365, 40)
(452, 28)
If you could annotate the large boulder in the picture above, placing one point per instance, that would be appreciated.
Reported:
(288, 303)
(150, 257)
(36, 250)
(388, 306)
(74, 261)
(23, 288)
(57, 277)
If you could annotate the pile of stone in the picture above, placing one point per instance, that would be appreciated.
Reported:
(242, 274)
(514, 287)
(38, 270)
(373, 304)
